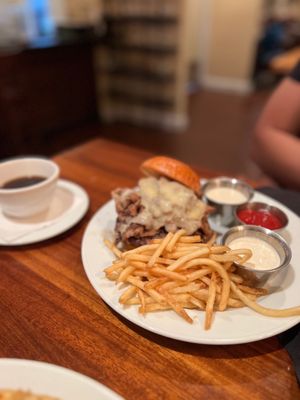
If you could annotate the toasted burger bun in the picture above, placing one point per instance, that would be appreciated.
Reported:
(172, 169)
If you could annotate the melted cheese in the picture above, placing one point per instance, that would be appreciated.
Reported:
(169, 204)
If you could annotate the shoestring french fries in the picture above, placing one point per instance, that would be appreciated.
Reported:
(180, 272)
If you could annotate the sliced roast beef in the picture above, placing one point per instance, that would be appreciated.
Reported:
(131, 234)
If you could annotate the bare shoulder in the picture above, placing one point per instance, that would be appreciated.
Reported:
(282, 111)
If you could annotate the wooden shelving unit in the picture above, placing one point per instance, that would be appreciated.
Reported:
(139, 65)
(140, 74)
(142, 48)
(147, 101)
(145, 19)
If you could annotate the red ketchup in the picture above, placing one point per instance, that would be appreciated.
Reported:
(262, 218)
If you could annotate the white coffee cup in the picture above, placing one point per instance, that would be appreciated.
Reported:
(24, 202)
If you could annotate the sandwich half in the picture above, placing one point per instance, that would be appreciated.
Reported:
(168, 198)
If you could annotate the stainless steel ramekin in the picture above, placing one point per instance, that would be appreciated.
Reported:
(271, 277)
(259, 206)
(224, 212)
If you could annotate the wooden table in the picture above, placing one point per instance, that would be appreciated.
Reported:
(50, 312)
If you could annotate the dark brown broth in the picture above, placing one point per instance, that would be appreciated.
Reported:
(22, 182)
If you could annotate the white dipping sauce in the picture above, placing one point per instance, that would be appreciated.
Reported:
(226, 195)
(264, 256)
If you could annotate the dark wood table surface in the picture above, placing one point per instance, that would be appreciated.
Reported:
(50, 312)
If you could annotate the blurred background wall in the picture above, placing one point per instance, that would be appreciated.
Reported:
(76, 12)
(159, 65)
(234, 32)
(223, 38)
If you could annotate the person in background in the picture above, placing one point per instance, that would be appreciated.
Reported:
(276, 139)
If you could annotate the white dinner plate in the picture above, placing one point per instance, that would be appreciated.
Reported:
(47, 379)
(69, 205)
(232, 326)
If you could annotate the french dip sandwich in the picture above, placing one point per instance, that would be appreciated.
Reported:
(168, 198)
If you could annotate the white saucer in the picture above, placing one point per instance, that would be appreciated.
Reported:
(69, 205)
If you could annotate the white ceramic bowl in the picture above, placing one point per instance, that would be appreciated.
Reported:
(27, 201)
